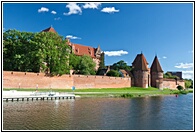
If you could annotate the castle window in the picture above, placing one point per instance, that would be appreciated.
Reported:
(89, 51)
(77, 50)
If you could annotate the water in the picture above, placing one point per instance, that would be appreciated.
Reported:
(150, 113)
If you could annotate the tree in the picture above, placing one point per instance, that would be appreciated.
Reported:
(53, 52)
(121, 65)
(188, 83)
(19, 54)
(170, 76)
(113, 73)
(87, 65)
(74, 62)
(82, 64)
(179, 87)
(26, 51)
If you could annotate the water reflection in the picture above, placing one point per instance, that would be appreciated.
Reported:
(150, 113)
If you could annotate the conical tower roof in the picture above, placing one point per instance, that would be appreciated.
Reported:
(156, 67)
(140, 63)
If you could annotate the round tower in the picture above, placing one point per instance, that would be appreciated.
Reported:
(156, 73)
(140, 71)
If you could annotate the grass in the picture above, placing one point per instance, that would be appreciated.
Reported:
(112, 92)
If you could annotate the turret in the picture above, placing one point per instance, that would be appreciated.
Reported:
(156, 73)
(140, 71)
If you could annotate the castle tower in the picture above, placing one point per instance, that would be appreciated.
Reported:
(141, 71)
(156, 73)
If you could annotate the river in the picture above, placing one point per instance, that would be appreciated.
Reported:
(147, 113)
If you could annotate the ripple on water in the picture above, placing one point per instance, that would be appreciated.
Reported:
(152, 113)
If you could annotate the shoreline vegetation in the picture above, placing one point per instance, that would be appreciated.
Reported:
(129, 92)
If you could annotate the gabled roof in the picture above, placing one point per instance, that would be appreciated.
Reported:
(140, 63)
(84, 50)
(123, 71)
(50, 29)
(156, 67)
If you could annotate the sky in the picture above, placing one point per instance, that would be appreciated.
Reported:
(122, 30)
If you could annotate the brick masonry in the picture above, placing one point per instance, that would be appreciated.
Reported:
(31, 80)
(172, 83)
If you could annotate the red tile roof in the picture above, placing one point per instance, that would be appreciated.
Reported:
(78, 48)
(156, 67)
(84, 50)
(140, 63)
(50, 29)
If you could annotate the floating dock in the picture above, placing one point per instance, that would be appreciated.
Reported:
(19, 96)
(37, 98)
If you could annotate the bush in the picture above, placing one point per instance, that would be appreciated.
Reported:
(184, 92)
(127, 95)
(113, 73)
(179, 87)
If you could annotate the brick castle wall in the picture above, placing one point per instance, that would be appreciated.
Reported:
(30, 80)
(172, 84)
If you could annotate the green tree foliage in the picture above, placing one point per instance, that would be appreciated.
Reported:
(113, 73)
(74, 62)
(121, 65)
(53, 52)
(188, 83)
(25, 51)
(169, 75)
(179, 87)
(82, 65)
(87, 65)
(19, 54)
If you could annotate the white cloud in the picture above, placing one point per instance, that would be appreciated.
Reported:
(115, 53)
(187, 74)
(109, 10)
(43, 9)
(72, 37)
(184, 65)
(73, 9)
(53, 12)
(91, 5)
(164, 57)
(57, 18)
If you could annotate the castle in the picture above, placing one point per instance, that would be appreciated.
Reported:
(141, 75)
(79, 50)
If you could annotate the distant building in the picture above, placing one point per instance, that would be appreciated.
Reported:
(125, 73)
(79, 50)
(178, 74)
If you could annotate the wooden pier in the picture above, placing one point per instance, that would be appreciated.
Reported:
(28, 98)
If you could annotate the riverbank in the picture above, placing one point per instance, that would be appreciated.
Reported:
(110, 92)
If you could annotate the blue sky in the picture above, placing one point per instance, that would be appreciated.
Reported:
(122, 30)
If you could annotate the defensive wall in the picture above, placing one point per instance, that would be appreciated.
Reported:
(172, 83)
(31, 80)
